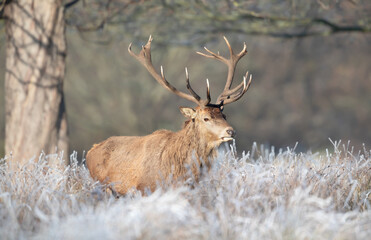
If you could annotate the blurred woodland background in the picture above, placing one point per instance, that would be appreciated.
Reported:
(311, 80)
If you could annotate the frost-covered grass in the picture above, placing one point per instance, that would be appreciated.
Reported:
(261, 195)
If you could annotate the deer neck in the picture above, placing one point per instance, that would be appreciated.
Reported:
(199, 147)
(187, 149)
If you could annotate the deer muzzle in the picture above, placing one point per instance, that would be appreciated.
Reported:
(230, 133)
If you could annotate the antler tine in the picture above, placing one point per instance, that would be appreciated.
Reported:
(190, 89)
(236, 93)
(232, 63)
(229, 46)
(213, 55)
(208, 91)
(144, 57)
(232, 91)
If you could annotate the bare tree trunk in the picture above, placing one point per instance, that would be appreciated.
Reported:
(35, 69)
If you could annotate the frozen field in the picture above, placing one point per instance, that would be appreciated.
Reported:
(261, 195)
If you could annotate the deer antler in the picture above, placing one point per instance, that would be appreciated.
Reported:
(144, 57)
(230, 95)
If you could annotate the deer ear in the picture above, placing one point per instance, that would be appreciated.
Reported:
(188, 112)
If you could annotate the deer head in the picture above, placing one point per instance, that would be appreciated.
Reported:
(207, 116)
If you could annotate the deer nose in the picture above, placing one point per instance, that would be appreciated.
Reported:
(231, 132)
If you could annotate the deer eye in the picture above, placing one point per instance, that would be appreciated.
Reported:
(206, 119)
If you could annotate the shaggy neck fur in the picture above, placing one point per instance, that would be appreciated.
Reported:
(189, 150)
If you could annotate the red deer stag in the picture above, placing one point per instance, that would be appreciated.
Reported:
(125, 162)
